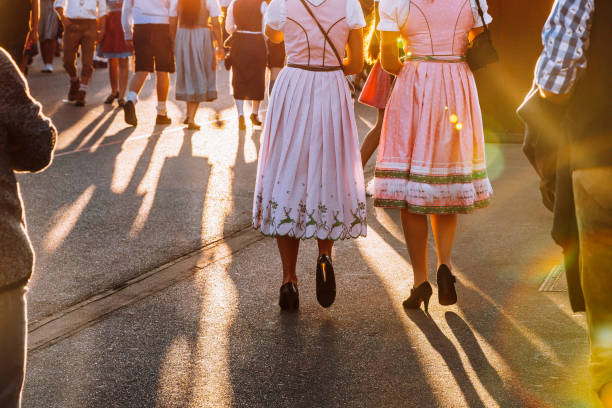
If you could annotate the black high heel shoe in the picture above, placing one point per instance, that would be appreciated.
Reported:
(326, 281)
(417, 295)
(446, 286)
(289, 298)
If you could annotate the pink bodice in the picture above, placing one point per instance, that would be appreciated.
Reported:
(438, 27)
(304, 42)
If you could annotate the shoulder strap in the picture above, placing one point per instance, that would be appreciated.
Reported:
(481, 14)
(329, 41)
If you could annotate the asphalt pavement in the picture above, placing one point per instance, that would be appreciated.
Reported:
(119, 202)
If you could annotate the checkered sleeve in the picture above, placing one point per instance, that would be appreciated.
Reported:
(566, 39)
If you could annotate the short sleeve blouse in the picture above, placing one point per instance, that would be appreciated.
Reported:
(394, 13)
(276, 15)
(213, 8)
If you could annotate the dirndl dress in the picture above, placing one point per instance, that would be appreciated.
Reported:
(431, 156)
(113, 44)
(49, 24)
(309, 175)
(196, 80)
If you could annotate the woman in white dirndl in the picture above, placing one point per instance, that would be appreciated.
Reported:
(309, 176)
(196, 59)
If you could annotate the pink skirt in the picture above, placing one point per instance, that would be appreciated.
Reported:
(309, 175)
(377, 88)
(431, 157)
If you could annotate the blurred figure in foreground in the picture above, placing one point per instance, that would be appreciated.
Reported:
(574, 71)
(27, 140)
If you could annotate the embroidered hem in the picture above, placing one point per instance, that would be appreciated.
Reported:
(431, 179)
(304, 237)
(418, 209)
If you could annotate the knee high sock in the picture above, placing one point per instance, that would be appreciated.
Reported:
(239, 106)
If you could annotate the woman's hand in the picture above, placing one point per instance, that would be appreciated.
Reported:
(353, 63)
(390, 52)
(553, 97)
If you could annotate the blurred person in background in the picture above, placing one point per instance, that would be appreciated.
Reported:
(197, 49)
(48, 32)
(150, 29)
(114, 47)
(19, 22)
(27, 140)
(81, 20)
(248, 56)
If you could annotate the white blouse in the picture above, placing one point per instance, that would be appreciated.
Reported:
(214, 10)
(394, 13)
(276, 15)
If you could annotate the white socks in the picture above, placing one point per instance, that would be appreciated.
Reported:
(255, 110)
(162, 110)
(83, 87)
(239, 106)
(132, 97)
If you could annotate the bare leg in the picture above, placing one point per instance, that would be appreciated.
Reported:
(371, 140)
(444, 227)
(138, 80)
(47, 50)
(124, 76)
(163, 86)
(325, 247)
(288, 248)
(192, 109)
(113, 74)
(415, 233)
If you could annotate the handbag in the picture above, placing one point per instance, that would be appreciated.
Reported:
(481, 51)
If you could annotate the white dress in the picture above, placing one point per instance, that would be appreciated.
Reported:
(196, 80)
(309, 176)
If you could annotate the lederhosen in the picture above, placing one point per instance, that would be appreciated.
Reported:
(248, 51)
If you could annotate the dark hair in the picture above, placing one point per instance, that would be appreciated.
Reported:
(189, 12)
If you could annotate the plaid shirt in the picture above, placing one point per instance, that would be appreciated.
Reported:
(565, 38)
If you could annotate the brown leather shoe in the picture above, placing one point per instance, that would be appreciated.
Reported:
(80, 98)
(74, 90)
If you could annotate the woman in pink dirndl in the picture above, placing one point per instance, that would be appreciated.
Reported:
(431, 158)
(309, 175)
(375, 92)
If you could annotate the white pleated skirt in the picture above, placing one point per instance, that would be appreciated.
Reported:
(196, 81)
(309, 176)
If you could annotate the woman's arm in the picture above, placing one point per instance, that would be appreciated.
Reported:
(275, 36)
(230, 25)
(390, 52)
(34, 19)
(353, 63)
